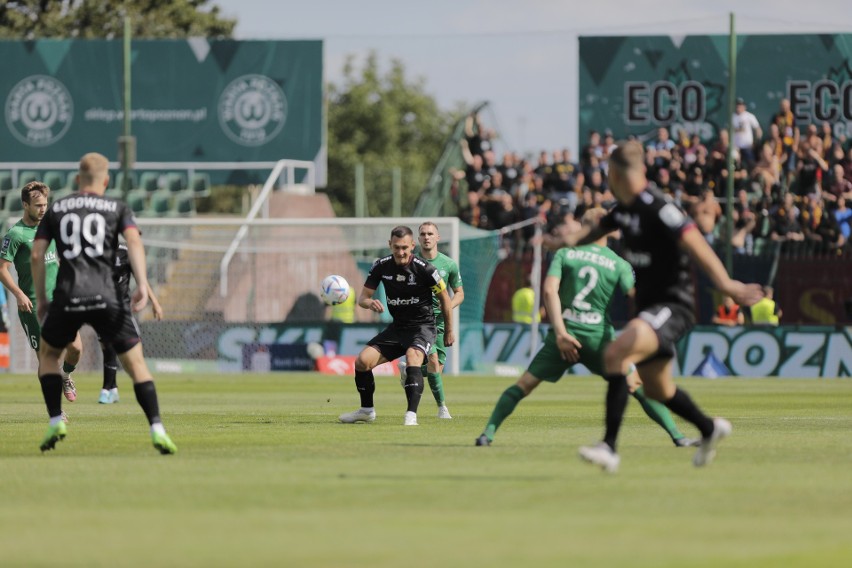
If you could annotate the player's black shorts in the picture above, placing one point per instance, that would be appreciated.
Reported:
(670, 322)
(393, 342)
(113, 324)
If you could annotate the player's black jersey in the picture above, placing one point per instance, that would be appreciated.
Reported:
(652, 227)
(85, 227)
(408, 288)
(121, 273)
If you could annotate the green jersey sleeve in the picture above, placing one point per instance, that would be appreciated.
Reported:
(555, 268)
(10, 245)
(626, 278)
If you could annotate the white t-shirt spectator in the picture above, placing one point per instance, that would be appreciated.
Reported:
(745, 125)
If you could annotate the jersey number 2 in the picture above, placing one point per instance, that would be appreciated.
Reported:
(83, 235)
(580, 299)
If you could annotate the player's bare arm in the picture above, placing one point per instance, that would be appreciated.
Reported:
(447, 312)
(366, 301)
(569, 347)
(136, 256)
(458, 296)
(563, 238)
(24, 303)
(696, 246)
(37, 267)
(155, 305)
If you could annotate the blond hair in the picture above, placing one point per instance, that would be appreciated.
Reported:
(94, 168)
(628, 156)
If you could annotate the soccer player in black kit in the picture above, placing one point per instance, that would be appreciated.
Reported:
(409, 284)
(121, 276)
(86, 226)
(659, 240)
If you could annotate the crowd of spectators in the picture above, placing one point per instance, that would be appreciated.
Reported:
(792, 185)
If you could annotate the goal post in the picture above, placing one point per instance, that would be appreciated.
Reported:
(278, 263)
(272, 294)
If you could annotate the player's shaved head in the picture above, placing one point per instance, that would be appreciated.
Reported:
(94, 169)
(628, 156)
(428, 224)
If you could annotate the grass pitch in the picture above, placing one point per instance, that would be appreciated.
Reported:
(265, 476)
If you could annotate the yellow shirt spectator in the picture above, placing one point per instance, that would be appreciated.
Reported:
(765, 311)
(345, 312)
(523, 304)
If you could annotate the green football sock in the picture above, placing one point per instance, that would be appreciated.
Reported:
(505, 406)
(658, 412)
(437, 386)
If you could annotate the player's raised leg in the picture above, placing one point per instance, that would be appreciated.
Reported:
(133, 362)
(659, 385)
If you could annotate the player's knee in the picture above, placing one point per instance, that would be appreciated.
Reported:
(528, 383)
(614, 359)
(414, 357)
(74, 350)
(364, 363)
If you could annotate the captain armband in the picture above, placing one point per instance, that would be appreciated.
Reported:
(439, 287)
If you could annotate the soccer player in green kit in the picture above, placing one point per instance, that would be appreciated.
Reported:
(577, 291)
(16, 248)
(449, 271)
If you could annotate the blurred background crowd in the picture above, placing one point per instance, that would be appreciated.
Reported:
(792, 183)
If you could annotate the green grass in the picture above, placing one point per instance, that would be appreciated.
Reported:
(265, 476)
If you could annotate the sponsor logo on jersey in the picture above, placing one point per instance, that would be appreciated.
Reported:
(387, 276)
(638, 259)
(6, 242)
(400, 277)
(403, 301)
(628, 222)
(412, 281)
(592, 318)
(39, 110)
(252, 110)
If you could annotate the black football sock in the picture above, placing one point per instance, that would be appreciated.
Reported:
(366, 385)
(51, 389)
(110, 367)
(682, 405)
(617, 395)
(68, 368)
(413, 387)
(146, 396)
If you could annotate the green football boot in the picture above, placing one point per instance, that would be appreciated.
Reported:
(54, 434)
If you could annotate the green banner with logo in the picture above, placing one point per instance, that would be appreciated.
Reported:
(634, 85)
(192, 100)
